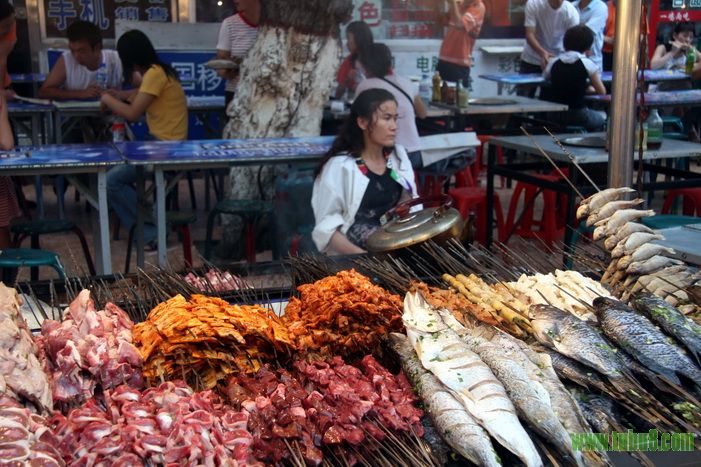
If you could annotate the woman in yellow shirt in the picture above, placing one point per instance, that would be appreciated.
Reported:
(160, 94)
(162, 98)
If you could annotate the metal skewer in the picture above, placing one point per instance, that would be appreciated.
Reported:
(572, 158)
(525, 132)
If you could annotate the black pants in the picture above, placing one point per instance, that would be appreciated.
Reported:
(528, 68)
(454, 73)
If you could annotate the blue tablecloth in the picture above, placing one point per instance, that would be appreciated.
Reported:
(244, 150)
(685, 98)
(61, 155)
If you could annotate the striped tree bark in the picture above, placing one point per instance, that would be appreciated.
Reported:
(285, 81)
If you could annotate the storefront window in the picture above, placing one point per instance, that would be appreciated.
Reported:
(214, 11)
(425, 19)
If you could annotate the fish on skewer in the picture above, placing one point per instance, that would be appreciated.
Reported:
(677, 274)
(671, 320)
(531, 400)
(633, 242)
(608, 209)
(610, 226)
(653, 264)
(643, 252)
(442, 352)
(453, 422)
(570, 369)
(644, 341)
(597, 200)
(577, 339)
(624, 232)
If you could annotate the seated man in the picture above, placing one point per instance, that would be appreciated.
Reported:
(75, 73)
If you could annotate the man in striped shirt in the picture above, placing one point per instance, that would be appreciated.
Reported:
(236, 35)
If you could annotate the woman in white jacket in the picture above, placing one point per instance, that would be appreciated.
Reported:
(363, 176)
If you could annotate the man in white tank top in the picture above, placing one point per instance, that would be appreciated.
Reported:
(86, 70)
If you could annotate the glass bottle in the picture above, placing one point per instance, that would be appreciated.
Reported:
(436, 94)
(654, 129)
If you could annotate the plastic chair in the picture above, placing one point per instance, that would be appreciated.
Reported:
(552, 223)
(14, 258)
(691, 201)
(431, 179)
(668, 221)
(250, 210)
(179, 221)
(474, 199)
(33, 229)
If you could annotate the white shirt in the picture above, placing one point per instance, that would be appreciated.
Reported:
(407, 133)
(236, 36)
(594, 16)
(339, 190)
(79, 77)
(550, 26)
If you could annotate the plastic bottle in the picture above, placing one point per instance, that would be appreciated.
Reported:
(119, 130)
(463, 96)
(101, 76)
(654, 129)
(425, 88)
(690, 60)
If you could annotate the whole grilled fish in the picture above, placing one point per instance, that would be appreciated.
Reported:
(624, 232)
(609, 208)
(597, 200)
(611, 225)
(539, 368)
(443, 353)
(577, 339)
(567, 368)
(644, 341)
(671, 320)
(531, 400)
(454, 423)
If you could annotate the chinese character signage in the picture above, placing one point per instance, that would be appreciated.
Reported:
(59, 14)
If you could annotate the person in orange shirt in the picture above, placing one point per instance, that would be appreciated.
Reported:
(8, 38)
(464, 26)
(609, 31)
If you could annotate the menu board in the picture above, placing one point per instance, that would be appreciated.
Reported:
(59, 14)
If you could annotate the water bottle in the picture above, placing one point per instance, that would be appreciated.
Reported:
(101, 76)
(119, 130)
(654, 129)
(425, 88)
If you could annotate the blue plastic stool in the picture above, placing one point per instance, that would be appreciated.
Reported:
(665, 221)
(13, 258)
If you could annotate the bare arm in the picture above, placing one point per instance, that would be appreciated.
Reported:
(339, 243)
(661, 57)
(454, 12)
(420, 107)
(52, 86)
(597, 84)
(7, 141)
(226, 74)
(5, 50)
(533, 42)
(131, 111)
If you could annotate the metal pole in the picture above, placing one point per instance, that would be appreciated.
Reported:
(623, 108)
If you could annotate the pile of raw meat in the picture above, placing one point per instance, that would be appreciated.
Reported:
(25, 437)
(90, 348)
(163, 425)
(22, 376)
(215, 281)
(323, 404)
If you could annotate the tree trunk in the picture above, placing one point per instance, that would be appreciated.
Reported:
(285, 81)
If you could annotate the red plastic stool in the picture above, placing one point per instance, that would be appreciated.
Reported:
(479, 164)
(691, 201)
(466, 199)
(551, 225)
